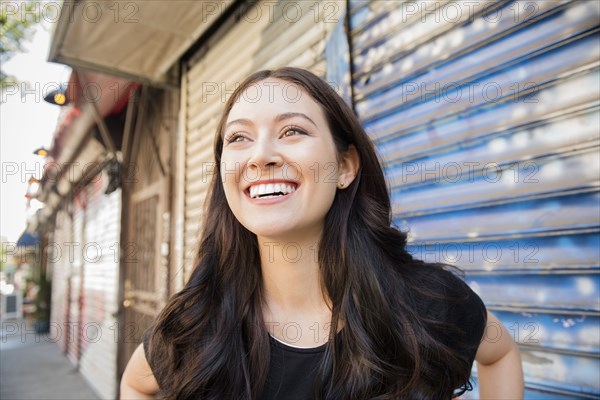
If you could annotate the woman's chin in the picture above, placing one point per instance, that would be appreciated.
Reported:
(271, 232)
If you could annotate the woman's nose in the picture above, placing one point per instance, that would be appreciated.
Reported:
(265, 154)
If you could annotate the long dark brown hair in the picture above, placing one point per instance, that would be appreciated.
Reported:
(399, 339)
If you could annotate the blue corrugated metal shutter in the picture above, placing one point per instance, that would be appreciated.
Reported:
(486, 116)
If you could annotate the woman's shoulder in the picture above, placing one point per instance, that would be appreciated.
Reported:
(463, 301)
(448, 283)
(448, 301)
(154, 351)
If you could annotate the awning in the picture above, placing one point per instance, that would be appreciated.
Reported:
(139, 40)
(86, 90)
(74, 150)
(28, 239)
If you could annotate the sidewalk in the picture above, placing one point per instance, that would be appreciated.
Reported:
(33, 368)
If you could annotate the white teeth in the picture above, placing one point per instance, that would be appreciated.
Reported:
(262, 190)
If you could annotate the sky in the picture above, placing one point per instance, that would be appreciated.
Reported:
(26, 123)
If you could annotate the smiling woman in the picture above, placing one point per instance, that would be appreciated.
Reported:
(279, 142)
(302, 289)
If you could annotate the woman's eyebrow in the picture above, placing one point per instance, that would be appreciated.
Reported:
(241, 121)
(279, 118)
(289, 115)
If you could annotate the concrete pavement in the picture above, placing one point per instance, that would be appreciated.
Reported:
(33, 368)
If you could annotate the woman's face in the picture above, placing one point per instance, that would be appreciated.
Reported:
(279, 164)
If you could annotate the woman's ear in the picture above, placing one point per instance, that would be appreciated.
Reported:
(348, 166)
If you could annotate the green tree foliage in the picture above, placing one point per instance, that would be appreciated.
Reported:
(17, 23)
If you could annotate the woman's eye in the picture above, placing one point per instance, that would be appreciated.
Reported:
(236, 137)
(293, 132)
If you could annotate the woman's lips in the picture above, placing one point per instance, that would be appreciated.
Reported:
(271, 192)
(261, 190)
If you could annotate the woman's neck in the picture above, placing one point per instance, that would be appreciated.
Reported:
(295, 307)
(291, 275)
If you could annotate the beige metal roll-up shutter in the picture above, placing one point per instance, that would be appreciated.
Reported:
(268, 34)
(72, 252)
(61, 269)
(486, 115)
(98, 323)
(83, 256)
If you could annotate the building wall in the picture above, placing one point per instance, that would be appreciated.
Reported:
(101, 272)
(486, 117)
(60, 270)
(85, 283)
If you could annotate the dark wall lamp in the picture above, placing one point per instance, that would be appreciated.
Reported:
(42, 152)
(57, 96)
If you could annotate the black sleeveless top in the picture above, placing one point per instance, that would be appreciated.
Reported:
(293, 371)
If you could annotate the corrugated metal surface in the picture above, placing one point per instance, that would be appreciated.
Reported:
(72, 252)
(83, 255)
(267, 35)
(486, 117)
(101, 270)
(59, 264)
